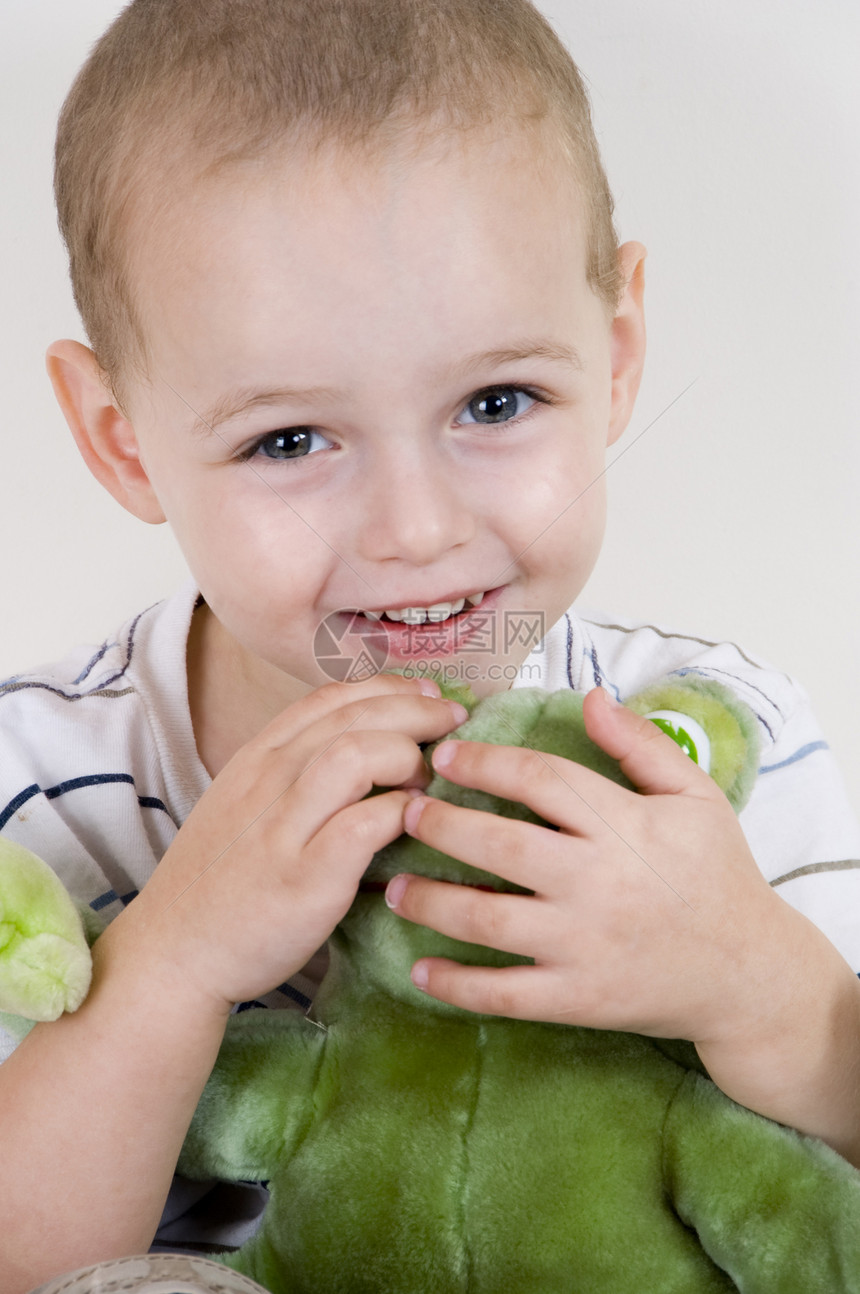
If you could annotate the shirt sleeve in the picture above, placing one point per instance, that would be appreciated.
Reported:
(803, 832)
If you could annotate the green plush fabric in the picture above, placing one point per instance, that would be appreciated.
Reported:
(413, 1148)
(45, 963)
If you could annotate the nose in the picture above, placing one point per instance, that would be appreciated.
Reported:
(416, 510)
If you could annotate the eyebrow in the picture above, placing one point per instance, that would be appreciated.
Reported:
(527, 349)
(235, 402)
(241, 401)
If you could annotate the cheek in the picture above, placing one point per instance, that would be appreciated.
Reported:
(249, 546)
(562, 544)
(566, 499)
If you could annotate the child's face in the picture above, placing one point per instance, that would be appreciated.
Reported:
(409, 388)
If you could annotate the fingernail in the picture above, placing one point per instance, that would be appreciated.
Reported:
(413, 811)
(609, 700)
(395, 890)
(460, 712)
(428, 688)
(444, 754)
(420, 975)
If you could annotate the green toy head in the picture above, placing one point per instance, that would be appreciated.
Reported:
(704, 718)
(45, 963)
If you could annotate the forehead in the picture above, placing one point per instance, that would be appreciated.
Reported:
(427, 239)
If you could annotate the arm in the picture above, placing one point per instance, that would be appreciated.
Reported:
(650, 915)
(795, 1054)
(94, 1107)
(93, 1110)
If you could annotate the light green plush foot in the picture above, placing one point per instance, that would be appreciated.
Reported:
(45, 962)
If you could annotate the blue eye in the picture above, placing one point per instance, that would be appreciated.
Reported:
(497, 404)
(290, 442)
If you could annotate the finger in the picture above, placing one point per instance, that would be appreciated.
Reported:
(332, 697)
(518, 992)
(566, 794)
(524, 853)
(343, 847)
(506, 922)
(273, 760)
(272, 835)
(423, 718)
(525, 992)
(654, 763)
(339, 774)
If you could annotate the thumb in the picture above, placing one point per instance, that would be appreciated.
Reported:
(648, 758)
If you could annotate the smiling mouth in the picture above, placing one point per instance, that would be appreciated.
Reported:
(436, 613)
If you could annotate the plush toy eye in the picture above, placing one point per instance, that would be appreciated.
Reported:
(686, 733)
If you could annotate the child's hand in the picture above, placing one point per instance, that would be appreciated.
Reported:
(649, 913)
(270, 859)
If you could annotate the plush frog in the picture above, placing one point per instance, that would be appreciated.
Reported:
(414, 1148)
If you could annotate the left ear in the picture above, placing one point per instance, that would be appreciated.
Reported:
(104, 436)
(627, 339)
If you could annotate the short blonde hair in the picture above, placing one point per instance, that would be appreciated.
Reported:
(198, 83)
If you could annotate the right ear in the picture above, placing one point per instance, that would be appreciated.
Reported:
(104, 436)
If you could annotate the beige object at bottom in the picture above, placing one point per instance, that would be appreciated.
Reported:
(153, 1274)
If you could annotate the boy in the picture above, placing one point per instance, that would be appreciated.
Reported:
(361, 333)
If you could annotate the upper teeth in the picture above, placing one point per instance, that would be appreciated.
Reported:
(437, 612)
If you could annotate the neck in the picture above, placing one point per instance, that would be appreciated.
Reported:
(232, 694)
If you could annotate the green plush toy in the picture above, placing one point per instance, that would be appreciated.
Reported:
(414, 1148)
(45, 963)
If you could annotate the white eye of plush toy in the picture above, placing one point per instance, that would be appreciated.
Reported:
(688, 734)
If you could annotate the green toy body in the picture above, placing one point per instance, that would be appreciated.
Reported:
(414, 1148)
(489, 1156)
